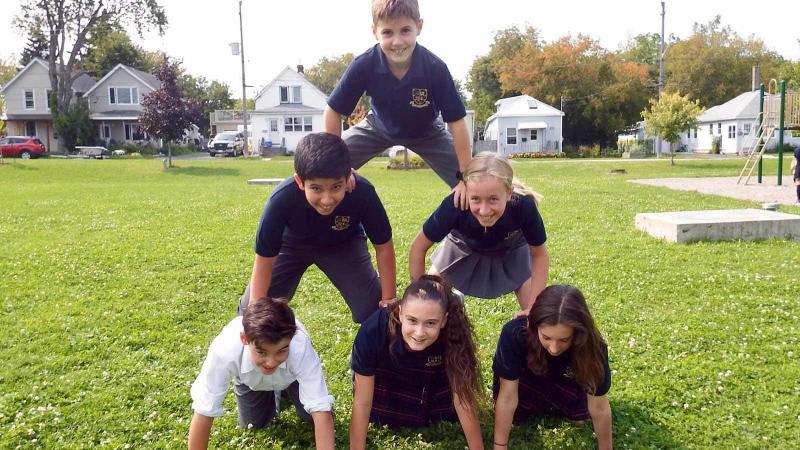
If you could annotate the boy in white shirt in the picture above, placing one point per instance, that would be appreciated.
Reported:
(264, 351)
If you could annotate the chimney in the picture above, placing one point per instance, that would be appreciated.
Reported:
(299, 68)
(756, 78)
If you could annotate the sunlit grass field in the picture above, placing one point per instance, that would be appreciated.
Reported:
(115, 276)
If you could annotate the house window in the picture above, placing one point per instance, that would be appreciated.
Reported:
(695, 133)
(273, 125)
(29, 101)
(534, 134)
(711, 129)
(105, 131)
(511, 136)
(134, 132)
(291, 94)
(746, 128)
(30, 128)
(123, 96)
(47, 98)
(731, 131)
(297, 123)
(719, 129)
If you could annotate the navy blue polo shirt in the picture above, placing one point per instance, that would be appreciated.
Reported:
(510, 359)
(521, 214)
(288, 218)
(407, 108)
(371, 349)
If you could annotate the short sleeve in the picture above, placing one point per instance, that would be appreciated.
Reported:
(271, 226)
(510, 359)
(310, 379)
(531, 222)
(351, 86)
(450, 104)
(605, 386)
(370, 339)
(442, 221)
(375, 221)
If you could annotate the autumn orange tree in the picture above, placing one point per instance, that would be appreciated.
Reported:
(603, 93)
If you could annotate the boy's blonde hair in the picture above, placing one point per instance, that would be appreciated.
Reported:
(393, 9)
(491, 164)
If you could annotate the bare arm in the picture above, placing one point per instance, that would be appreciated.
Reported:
(323, 429)
(540, 269)
(199, 431)
(416, 257)
(387, 269)
(600, 411)
(332, 121)
(461, 143)
(363, 388)
(261, 277)
(469, 423)
(504, 408)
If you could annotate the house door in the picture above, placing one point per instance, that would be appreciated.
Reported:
(30, 128)
(529, 141)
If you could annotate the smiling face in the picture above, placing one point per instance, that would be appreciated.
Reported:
(488, 197)
(268, 356)
(556, 339)
(323, 194)
(397, 38)
(421, 322)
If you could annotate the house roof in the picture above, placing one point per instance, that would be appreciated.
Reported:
(288, 108)
(743, 106)
(269, 85)
(523, 106)
(143, 77)
(81, 81)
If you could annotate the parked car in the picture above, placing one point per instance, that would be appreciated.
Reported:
(227, 143)
(25, 147)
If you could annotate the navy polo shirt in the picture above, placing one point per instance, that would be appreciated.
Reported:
(510, 359)
(288, 218)
(404, 109)
(371, 349)
(521, 214)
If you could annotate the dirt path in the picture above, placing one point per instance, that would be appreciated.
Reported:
(767, 191)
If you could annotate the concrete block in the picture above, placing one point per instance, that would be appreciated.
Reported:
(717, 225)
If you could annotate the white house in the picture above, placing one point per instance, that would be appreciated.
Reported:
(287, 108)
(524, 124)
(734, 124)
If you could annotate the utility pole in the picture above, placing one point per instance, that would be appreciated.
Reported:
(245, 148)
(660, 72)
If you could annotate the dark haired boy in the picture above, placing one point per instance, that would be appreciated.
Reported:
(264, 351)
(409, 88)
(311, 219)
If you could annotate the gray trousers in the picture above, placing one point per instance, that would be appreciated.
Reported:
(367, 140)
(259, 408)
(347, 265)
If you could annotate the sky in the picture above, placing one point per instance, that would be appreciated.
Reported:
(284, 33)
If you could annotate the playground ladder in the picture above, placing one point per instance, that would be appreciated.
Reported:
(757, 151)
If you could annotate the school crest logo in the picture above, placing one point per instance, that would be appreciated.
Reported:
(434, 360)
(419, 98)
(341, 223)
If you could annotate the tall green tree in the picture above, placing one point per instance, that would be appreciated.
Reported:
(110, 46)
(327, 72)
(67, 24)
(644, 49)
(483, 77)
(37, 45)
(602, 93)
(7, 71)
(715, 64)
(671, 115)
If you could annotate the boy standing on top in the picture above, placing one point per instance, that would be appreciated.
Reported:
(310, 218)
(409, 87)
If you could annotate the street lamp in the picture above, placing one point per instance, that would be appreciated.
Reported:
(239, 50)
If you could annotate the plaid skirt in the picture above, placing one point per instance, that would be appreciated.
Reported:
(483, 274)
(412, 398)
(557, 397)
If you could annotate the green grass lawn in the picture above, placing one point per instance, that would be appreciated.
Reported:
(116, 275)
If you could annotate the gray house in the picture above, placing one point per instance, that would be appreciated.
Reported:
(115, 103)
(27, 111)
